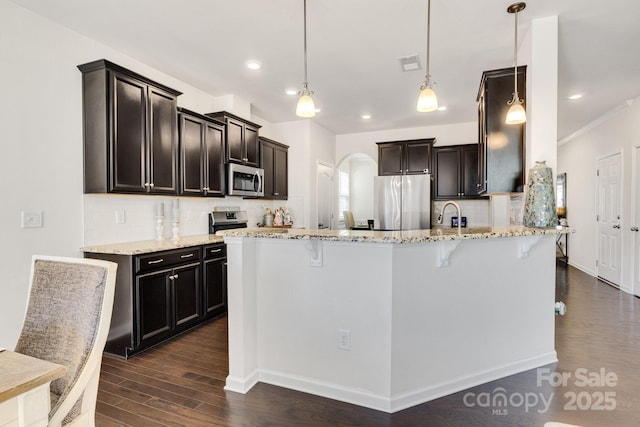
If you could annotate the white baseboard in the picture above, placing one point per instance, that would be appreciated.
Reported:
(402, 401)
(240, 385)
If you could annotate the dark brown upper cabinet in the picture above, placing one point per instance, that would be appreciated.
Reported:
(405, 157)
(275, 162)
(455, 170)
(242, 145)
(130, 131)
(201, 155)
(501, 147)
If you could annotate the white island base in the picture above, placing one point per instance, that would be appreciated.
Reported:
(387, 325)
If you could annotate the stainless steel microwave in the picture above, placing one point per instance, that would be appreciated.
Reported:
(244, 180)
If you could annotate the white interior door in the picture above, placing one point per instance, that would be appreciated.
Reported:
(635, 224)
(609, 218)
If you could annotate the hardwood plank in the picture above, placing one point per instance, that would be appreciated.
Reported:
(181, 382)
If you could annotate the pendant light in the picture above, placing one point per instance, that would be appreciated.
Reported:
(305, 107)
(516, 114)
(427, 101)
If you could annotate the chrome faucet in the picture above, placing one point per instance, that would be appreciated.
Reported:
(447, 203)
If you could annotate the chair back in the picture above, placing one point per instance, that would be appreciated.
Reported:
(66, 322)
(349, 222)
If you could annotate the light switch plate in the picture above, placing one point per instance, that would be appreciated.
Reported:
(31, 219)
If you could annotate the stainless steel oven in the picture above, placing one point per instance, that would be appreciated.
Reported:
(244, 181)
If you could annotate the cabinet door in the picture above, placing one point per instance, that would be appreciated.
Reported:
(214, 159)
(251, 146)
(390, 159)
(469, 171)
(417, 158)
(268, 164)
(186, 295)
(281, 173)
(191, 149)
(163, 142)
(215, 287)
(446, 173)
(128, 144)
(235, 138)
(153, 301)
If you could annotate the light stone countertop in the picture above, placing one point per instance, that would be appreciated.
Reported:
(405, 236)
(148, 246)
(364, 236)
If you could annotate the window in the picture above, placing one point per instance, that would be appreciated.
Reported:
(343, 194)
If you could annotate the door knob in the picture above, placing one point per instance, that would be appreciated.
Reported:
(634, 229)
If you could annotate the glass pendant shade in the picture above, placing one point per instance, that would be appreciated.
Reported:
(427, 101)
(305, 107)
(516, 114)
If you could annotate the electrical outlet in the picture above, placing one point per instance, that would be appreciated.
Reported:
(120, 216)
(344, 339)
(31, 219)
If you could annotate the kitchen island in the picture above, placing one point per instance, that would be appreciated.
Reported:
(388, 320)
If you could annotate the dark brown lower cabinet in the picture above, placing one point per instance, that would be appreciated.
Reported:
(161, 294)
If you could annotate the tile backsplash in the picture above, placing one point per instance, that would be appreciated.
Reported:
(112, 218)
(476, 211)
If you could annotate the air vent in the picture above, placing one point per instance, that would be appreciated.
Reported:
(410, 63)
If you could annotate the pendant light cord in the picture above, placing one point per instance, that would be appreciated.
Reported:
(306, 81)
(515, 59)
(428, 75)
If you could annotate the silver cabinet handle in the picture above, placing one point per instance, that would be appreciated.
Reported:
(634, 228)
(186, 256)
(215, 251)
(175, 276)
(276, 194)
(616, 226)
(155, 261)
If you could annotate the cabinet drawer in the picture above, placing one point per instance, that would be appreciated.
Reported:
(215, 251)
(163, 259)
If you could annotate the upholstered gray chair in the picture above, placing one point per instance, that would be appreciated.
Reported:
(67, 322)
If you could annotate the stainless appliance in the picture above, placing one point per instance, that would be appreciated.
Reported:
(227, 220)
(244, 180)
(402, 202)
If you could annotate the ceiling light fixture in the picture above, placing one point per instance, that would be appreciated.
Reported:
(253, 65)
(305, 107)
(291, 92)
(576, 96)
(427, 101)
(516, 114)
(366, 116)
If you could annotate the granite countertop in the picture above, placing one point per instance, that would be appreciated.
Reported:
(405, 236)
(147, 246)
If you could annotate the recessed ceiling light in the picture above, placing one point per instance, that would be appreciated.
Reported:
(254, 65)
(576, 96)
(366, 116)
(291, 92)
(442, 108)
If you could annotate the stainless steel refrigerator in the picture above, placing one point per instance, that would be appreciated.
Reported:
(402, 202)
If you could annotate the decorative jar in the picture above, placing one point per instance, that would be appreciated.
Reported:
(540, 202)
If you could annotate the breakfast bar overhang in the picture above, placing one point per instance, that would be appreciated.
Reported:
(388, 320)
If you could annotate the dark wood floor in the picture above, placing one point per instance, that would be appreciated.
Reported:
(180, 383)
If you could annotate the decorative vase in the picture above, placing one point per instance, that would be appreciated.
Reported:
(540, 203)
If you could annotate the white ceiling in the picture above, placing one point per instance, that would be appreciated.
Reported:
(354, 47)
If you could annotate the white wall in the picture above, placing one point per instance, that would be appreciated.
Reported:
(617, 132)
